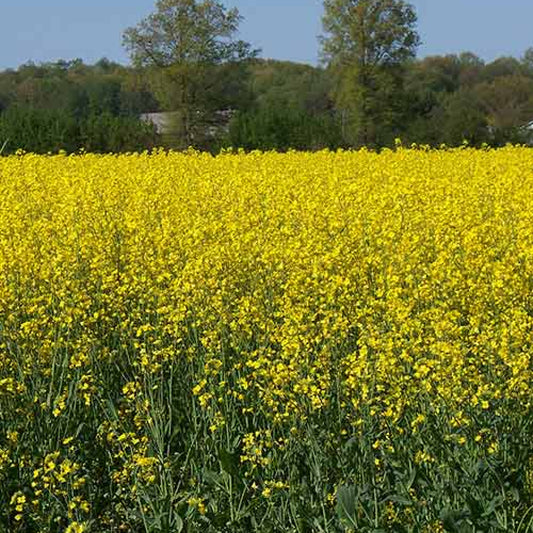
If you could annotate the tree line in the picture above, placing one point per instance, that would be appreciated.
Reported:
(369, 90)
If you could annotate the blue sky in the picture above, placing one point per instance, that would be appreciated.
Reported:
(47, 30)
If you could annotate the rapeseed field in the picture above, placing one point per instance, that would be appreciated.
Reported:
(267, 342)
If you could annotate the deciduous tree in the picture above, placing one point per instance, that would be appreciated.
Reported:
(365, 43)
(184, 41)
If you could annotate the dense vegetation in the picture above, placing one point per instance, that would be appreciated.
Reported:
(276, 105)
(69, 105)
(327, 342)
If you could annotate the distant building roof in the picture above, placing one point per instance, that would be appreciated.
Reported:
(161, 121)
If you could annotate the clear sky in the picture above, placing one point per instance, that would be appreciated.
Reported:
(47, 30)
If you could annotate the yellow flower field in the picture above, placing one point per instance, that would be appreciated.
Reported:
(267, 342)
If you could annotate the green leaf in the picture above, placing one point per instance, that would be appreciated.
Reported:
(452, 519)
(347, 503)
(229, 462)
(398, 498)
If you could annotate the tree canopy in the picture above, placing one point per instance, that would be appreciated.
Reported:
(365, 42)
(368, 32)
(186, 31)
(183, 42)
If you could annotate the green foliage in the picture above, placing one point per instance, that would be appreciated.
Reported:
(365, 42)
(281, 129)
(108, 133)
(38, 130)
(372, 92)
(42, 131)
(452, 99)
(181, 42)
(58, 106)
(186, 32)
(508, 104)
(369, 32)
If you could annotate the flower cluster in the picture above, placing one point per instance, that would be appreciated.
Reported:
(186, 339)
